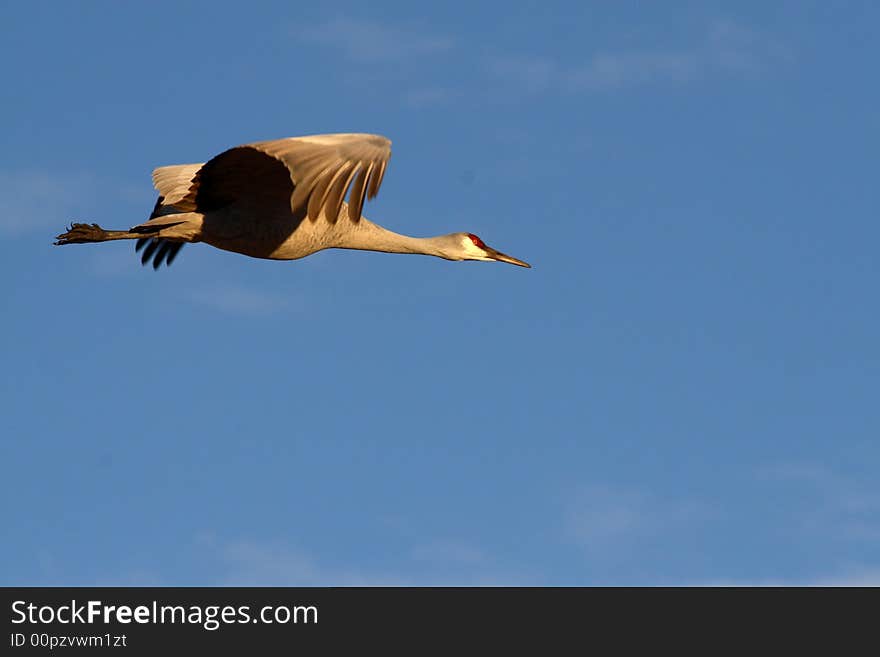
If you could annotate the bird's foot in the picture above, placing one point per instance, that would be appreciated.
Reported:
(80, 233)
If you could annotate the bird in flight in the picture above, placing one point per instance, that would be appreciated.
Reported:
(281, 199)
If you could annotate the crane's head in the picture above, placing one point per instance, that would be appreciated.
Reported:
(468, 246)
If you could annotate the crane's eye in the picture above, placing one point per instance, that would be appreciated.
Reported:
(477, 241)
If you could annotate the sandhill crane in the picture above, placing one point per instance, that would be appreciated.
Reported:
(279, 199)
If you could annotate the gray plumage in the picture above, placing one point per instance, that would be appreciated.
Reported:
(281, 199)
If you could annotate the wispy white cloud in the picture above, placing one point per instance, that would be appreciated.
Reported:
(31, 200)
(735, 47)
(604, 517)
(531, 73)
(36, 200)
(371, 40)
(135, 578)
(451, 563)
(607, 70)
(725, 48)
(448, 551)
(256, 564)
(384, 58)
(429, 97)
(114, 261)
(259, 564)
(843, 507)
(856, 577)
(239, 300)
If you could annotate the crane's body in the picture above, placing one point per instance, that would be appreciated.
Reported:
(287, 236)
(282, 200)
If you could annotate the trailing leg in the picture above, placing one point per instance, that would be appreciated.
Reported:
(84, 233)
(160, 238)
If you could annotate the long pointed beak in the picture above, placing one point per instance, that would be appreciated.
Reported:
(503, 257)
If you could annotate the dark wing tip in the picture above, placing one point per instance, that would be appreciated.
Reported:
(157, 250)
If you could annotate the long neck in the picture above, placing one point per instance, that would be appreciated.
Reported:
(367, 236)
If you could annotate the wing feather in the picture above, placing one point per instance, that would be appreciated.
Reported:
(379, 178)
(174, 182)
(336, 193)
(311, 160)
(320, 170)
(323, 184)
(359, 189)
(376, 179)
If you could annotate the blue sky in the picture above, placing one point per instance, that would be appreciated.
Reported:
(683, 390)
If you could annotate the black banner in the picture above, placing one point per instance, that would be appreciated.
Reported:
(148, 620)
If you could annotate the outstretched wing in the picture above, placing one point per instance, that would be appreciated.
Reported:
(294, 174)
(324, 167)
(173, 183)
